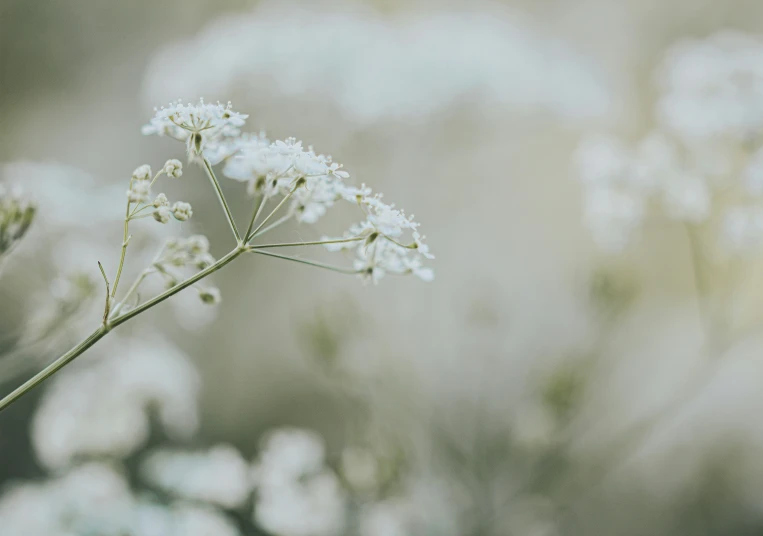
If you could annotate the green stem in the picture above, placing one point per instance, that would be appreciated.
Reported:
(54, 367)
(316, 243)
(304, 261)
(221, 197)
(177, 288)
(267, 218)
(256, 213)
(125, 239)
(99, 333)
(272, 226)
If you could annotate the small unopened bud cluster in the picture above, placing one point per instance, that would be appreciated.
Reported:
(140, 193)
(16, 215)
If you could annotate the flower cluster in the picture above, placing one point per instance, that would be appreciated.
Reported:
(306, 183)
(139, 379)
(407, 66)
(139, 193)
(703, 151)
(296, 494)
(16, 215)
(219, 476)
(95, 498)
(195, 124)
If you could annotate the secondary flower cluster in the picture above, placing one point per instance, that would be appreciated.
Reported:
(306, 183)
(16, 215)
(702, 153)
(140, 193)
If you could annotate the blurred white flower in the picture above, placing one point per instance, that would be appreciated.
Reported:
(404, 66)
(296, 494)
(91, 499)
(713, 87)
(102, 405)
(218, 476)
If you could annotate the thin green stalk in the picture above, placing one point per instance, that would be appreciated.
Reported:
(267, 218)
(125, 240)
(316, 243)
(133, 288)
(304, 261)
(221, 197)
(54, 367)
(272, 226)
(107, 326)
(256, 213)
(177, 288)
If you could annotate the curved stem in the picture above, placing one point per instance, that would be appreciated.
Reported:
(99, 333)
(221, 197)
(54, 367)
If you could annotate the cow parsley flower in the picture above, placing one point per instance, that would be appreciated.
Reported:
(296, 494)
(218, 476)
(197, 124)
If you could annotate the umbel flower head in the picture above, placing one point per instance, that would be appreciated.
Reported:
(301, 183)
(197, 124)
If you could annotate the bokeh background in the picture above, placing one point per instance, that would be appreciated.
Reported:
(538, 386)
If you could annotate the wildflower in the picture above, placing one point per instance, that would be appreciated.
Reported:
(181, 211)
(162, 214)
(142, 173)
(217, 476)
(173, 168)
(139, 192)
(197, 124)
(161, 201)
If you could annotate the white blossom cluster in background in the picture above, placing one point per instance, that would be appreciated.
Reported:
(376, 67)
(703, 158)
(305, 183)
(96, 415)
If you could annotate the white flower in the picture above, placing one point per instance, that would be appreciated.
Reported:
(139, 192)
(201, 521)
(218, 476)
(296, 494)
(181, 211)
(197, 124)
(173, 168)
(130, 380)
(142, 173)
(162, 214)
(161, 201)
(90, 499)
(713, 87)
